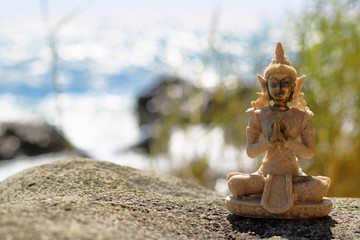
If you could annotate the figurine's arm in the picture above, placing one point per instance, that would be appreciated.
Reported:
(306, 148)
(253, 132)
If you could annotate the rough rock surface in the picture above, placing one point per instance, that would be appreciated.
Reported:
(88, 199)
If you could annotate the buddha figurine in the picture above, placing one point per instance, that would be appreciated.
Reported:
(280, 125)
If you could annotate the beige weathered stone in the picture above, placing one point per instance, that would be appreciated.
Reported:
(87, 199)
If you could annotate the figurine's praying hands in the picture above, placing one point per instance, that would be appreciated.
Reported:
(278, 132)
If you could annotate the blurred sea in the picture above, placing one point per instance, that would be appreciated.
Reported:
(104, 64)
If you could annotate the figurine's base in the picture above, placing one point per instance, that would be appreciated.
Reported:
(300, 210)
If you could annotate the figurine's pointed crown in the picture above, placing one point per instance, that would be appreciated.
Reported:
(280, 64)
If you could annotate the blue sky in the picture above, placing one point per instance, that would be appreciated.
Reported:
(24, 36)
(100, 7)
(234, 14)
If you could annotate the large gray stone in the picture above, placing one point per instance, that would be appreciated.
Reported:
(88, 199)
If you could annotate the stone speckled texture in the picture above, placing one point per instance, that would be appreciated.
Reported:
(88, 199)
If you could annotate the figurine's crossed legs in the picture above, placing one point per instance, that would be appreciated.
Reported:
(306, 189)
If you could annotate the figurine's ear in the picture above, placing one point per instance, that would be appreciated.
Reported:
(298, 84)
(298, 97)
(262, 82)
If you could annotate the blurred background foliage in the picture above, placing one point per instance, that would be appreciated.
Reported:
(327, 36)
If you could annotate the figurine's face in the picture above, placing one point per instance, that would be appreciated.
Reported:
(280, 87)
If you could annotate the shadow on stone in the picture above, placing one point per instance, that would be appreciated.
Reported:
(318, 228)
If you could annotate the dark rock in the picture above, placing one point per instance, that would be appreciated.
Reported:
(170, 96)
(30, 139)
(88, 199)
(157, 101)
